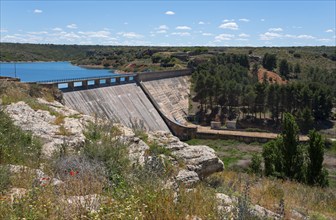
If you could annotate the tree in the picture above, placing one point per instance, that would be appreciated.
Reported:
(306, 120)
(269, 61)
(297, 68)
(284, 68)
(316, 174)
(290, 136)
(260, 90)
(273, 158)
(256, 163)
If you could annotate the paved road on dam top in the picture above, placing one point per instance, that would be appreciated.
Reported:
(265, 135)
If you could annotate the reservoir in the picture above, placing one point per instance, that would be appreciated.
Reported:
(38, 71)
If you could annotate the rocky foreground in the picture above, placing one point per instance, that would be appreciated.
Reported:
(59, 126)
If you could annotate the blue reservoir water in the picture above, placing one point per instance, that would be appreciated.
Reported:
(31, 72)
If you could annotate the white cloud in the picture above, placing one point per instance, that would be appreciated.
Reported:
(183, 28)
(207, 34)
(244, 19)
(304, 36)
(201, 22)
(72, 26)
(161, 32)
(275, 29)
(95, 34)
(229, 25)
(329, 31)
(170, 13)
(163, 27)
(182, 34)
(223, 37)
(269, 36)
(125, 23)
(243, 35)
(37, 32)
(57, 29)
(262, 19)
(3, 30)
(227, 20)
(324, 40)
(130, 35)
(38, 11)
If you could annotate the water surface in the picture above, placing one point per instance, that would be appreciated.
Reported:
(37, 71)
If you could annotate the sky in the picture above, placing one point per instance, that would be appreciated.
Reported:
(170, 22)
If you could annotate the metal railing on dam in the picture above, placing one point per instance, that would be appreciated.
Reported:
(71, 84)
(53, 81)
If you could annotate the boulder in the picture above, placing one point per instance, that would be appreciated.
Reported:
(42, 123)
(189, 178)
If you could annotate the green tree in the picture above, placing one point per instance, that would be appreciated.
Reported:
(273, 158)
(290, 135)
(284, 68)
(256, 163)
(316, 174)
(269, 61)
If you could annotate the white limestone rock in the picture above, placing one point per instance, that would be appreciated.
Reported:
(42, 124)
(188, 178)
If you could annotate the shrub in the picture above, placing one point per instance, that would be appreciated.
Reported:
(4, 178)
(17, 146)
(256, 164)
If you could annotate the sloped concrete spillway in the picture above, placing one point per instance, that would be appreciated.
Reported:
(121, 103)
(172, 96)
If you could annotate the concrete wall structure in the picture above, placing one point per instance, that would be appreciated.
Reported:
(172, 97)
(121, 103)
(181, 131)
(148, 76)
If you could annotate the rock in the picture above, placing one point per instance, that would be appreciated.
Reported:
(192, 217)
(226, 204)
(297, 215)
(198, 159)
(189, 178)
(263, 212)
(201, 159)
(43, 124)
(138, 152)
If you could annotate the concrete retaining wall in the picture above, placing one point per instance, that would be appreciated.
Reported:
(245, 139)
(181, 131)
(148, 76)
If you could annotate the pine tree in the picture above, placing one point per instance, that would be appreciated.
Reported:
(316, 175)
(284, 68)
(290, 145)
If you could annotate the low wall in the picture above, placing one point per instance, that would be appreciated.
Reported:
(181, 131)
(245, 139)
(148, 76)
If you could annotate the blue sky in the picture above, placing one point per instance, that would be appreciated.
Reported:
(170, 22)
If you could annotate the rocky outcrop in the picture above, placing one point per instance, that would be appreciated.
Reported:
(59, 125)
(200, 159)
(55, 126)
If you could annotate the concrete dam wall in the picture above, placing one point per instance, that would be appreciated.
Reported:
(120, 103)
(172, 97)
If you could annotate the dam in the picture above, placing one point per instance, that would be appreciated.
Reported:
(121, 103)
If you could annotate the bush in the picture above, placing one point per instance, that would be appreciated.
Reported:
(256, 164)
(17, 146)
(4, 178)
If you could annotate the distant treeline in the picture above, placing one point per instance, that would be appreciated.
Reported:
(226, 85)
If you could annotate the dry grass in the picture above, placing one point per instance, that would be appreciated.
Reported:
(268, 192)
